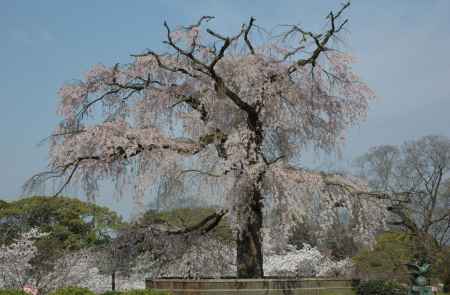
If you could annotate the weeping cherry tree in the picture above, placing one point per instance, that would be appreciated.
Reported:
(227, 113)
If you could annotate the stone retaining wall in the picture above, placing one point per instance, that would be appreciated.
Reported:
(253, 286)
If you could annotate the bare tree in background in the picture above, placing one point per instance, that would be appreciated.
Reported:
(221, 115)
(416, 176)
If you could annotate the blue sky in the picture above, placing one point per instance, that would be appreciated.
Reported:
(402, 49)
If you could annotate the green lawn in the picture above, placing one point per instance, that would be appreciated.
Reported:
(440, 293)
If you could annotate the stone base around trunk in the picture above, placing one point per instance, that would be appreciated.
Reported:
(314, 286)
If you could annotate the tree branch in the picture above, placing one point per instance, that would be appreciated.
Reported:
(247, 31)
(200, 172)
(319, 39)
(75, 167)
(163, 66)
(204, 226)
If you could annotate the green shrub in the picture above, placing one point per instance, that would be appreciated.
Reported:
(447, 287)
(144, 292)
(113, 293)
(12, 292)
(73, 291)
(135, 292)
(380, 287)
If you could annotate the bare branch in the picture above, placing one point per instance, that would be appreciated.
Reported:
(217, 35)
(188, 54)
(247, 31)
(319, 39)
(227, 42)
(274, 161)
(209, 69)
(163, 66)
(205, 18)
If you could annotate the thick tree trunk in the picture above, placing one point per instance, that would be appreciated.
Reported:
(249, 259)
(113, 281)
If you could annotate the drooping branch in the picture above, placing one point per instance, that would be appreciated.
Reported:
(145, 234)
(72, 173)
(119, 143)
(57, 172)
(202, 227)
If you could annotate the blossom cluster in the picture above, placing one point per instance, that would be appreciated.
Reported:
(305, 262)
(17, 270)
(15, 260)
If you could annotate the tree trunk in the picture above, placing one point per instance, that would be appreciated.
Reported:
(249, 259)
(113, 281)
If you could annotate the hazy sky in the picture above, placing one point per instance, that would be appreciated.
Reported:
(402, 48)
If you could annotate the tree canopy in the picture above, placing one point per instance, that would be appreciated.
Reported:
(416, 176)
(71, 223)
(220, 116)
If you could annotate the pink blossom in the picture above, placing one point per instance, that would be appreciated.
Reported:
(30, 290)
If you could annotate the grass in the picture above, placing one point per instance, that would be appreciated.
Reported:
(439, 293)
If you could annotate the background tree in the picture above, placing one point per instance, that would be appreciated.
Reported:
(388, 258)
(71, 223)
(214, 116)
(17, 268)
(416, 178)
(70, 226)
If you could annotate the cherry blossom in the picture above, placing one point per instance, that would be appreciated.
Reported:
(228, 114)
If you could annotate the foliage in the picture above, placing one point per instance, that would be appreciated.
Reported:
(73, 291)
(113, 293)
(441, 268)
(143, 292)
(380, 287)
(392, 250)
(71, 223)
(12, 292)
(70, 226)
(17, 269)
(135, 292)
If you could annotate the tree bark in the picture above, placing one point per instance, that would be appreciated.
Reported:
(249, 259)
(113, 281)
